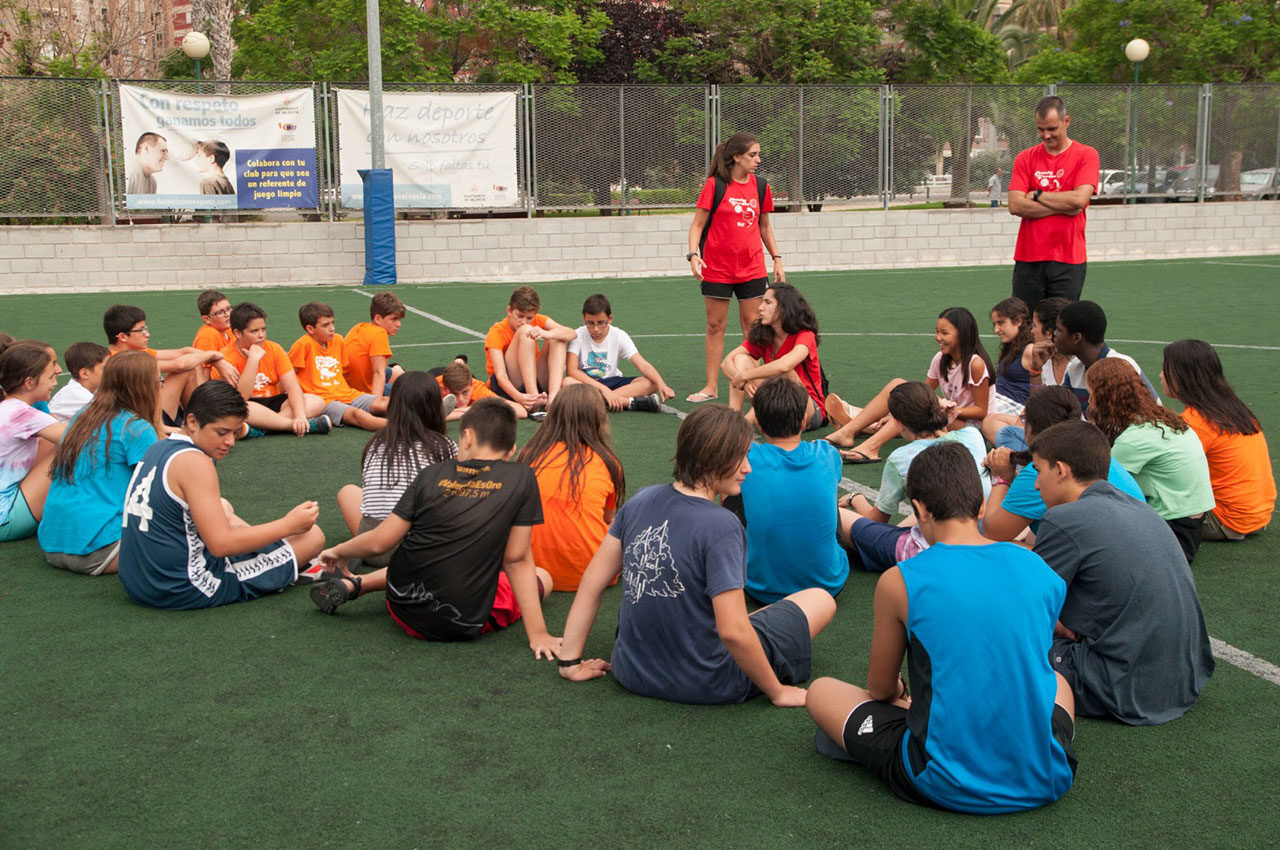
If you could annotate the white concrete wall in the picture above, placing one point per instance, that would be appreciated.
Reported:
(188, 256)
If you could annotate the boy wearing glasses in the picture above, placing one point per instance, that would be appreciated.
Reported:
(215, 311)
(593, 360)
(180, 368)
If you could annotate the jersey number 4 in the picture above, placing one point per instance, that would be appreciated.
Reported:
(136, 504)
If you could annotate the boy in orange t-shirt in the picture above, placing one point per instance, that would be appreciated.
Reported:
(266, 378)
(319, 357)
(215, 334)
(180, 368)
(456, 380)
(369, 346)
(520, 370)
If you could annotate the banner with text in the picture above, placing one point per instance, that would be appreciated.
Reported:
(444, 150)
(218, 152)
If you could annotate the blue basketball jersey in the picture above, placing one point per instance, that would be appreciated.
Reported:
(163, 561)
(980, 624)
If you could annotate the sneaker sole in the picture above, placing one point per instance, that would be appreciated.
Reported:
(328, 595)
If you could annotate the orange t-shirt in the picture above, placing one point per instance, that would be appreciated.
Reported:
(150, 351)
(363, 341)
(572, 529)
(209, 338)
(1240, 472)
(479, 389)
(319, 368)
(273, 364)
(501, 333)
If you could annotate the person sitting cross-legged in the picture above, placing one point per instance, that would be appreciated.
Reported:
(991, 725)
(1131, 638)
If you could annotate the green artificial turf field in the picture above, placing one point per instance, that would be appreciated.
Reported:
(273, 725)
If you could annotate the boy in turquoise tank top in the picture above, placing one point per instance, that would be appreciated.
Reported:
(991, 726)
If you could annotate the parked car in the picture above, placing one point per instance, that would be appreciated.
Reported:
(1260, 184)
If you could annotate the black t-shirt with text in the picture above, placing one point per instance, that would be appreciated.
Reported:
(442, 579)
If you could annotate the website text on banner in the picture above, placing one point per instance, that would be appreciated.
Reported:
(444, 150)
(218, 152)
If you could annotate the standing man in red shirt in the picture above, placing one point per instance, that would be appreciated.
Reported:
(1049, 190)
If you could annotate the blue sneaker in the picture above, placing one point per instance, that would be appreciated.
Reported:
(320, 425)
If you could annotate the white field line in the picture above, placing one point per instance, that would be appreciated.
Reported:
(1223, 651)
(1254, 265)
(1161, 342)
(432, 316)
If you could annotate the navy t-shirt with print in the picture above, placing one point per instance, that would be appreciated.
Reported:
(678, 553)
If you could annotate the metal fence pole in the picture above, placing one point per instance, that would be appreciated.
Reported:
(886, 145)
(105, 126)
(800, 149)
(328, 149)
(968, 145)
(1275, 178)
(622, 151)
(1202, 140)
(533, 147)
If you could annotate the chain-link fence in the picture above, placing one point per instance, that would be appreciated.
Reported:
(55, 137)
(623, 148)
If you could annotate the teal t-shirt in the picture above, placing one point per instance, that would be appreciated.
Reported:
(789, 500)
(1023, 499)
(85, 515)
(1169, 466)
(894, 478)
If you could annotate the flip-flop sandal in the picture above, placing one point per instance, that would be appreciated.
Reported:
(853, 456)
(699, 398)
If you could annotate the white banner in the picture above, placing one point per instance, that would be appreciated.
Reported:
(191, 151)
(444, 150)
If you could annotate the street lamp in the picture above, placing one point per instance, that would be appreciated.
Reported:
(196, 46)
(1135, 51)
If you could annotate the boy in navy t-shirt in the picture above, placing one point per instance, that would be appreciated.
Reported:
(683, 629)
(975, 621)
(792, 547)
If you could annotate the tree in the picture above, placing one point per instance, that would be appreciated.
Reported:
(46, 38)
(213, 18)
(1228, 41)
(482, 41)
(771, 41)
(946, 47)
(327, 40)
(636, 34)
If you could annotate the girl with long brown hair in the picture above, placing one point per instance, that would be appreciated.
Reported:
(727, 240)
(1244, 485)
(1157, 448)
(580, 479)
(90, 471)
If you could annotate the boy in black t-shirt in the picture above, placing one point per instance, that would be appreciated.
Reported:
(464, 566)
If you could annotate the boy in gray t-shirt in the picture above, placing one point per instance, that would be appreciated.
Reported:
(1131, 638)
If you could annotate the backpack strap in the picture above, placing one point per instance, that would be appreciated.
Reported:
(761, 186)
(717, 196)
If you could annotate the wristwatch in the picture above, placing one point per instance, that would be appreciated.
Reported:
(1035, 196)
(689, 256)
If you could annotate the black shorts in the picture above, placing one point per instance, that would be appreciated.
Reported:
(1035, 281)
(178, 420)
(745, 291)
(783, 630)
(617, 381)
(1189, 531)
(497, 388)
(272, 402)
(879, 748)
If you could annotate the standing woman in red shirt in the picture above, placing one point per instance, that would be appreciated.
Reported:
(727, 241)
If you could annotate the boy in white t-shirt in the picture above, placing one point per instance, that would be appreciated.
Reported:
(84, 361)
(594, 355)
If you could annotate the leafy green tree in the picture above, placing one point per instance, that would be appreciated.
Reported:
(947, 47)
(771, 41)
(1227, 41)
(482, 41)
(327, 40)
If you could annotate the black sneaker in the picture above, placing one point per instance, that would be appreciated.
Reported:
(645, 403)
(328, 595)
